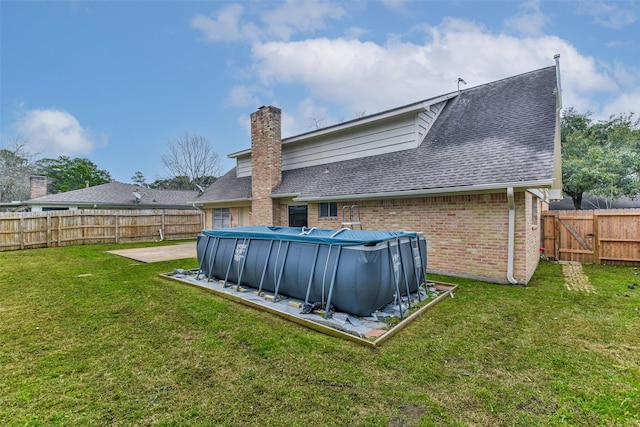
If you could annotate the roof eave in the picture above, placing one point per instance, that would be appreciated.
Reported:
(225, 201)
(469, 189)
(103, 205)
(284, 195)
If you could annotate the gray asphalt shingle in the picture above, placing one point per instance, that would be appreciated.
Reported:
(118, 193)
(228, 187)
(500, 132)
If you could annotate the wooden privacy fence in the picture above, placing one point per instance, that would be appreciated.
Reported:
(26, 230)
(610, 236)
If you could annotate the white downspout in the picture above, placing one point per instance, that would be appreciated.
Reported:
(511, 236)
(203, 216)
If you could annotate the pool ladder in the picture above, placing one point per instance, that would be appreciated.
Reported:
(354, 216)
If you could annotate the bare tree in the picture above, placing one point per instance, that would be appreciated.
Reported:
(192, 156)
(315, 121)
(16, 164)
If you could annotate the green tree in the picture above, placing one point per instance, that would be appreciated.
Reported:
(181, 183)
(139, 179)
(175, 183)
(15, 168)
(66, 174)
(600, 158)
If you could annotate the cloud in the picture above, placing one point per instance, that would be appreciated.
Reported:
(610, 15)
(300, 17)
(398, 6)
(232, 23)
(225, 26)
(54, 132)
(242, 96)
(353, 75)
(627, 102)
(624, 101)
(530, 21)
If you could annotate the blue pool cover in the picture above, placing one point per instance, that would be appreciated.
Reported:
(343, 237)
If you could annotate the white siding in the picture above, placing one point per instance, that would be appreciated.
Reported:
(243, 166)
(401, 133)
(425, 120)
(392, 136)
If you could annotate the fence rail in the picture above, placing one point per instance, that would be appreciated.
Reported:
(27, 230)
(610, 236)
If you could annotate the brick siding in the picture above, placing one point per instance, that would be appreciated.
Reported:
(466, 234)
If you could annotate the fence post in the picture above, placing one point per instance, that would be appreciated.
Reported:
(22, 232)
(556, 230)
(117, 220)
(164, 233)
(596, 239)
(48, 229)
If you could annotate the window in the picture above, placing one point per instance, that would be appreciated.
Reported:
(298, 216)
(221, 218)
(328, 210)
(534, 210)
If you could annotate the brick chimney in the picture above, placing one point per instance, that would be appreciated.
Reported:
(266, 164)
(37, 186)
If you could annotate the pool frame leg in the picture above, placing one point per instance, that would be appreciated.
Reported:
(233, 252)
(333, 281)
(264, 270)
(244, 261)
(396, 279)
(204, 254)
(404, 273)
(313, 270)
(212, 259)
(416, 268)
(284, 261)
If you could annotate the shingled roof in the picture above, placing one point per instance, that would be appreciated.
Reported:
(228, 187)
(497, 133)
(118, 194)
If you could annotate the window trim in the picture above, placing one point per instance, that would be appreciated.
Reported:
(328, 205)
(225, 217)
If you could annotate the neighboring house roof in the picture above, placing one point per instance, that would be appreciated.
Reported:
(118, 194)
(500, 133)
(592, 202)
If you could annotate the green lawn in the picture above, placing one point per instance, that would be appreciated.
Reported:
(89, 338)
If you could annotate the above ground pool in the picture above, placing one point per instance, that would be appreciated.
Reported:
(350, 271)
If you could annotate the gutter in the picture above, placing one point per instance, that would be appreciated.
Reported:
(424, 192)
(106, 206)
(511, 236)
(214, 202)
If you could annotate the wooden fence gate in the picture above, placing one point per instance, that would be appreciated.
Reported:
(609, 236)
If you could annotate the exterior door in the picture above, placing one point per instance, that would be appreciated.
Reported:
(298, 216)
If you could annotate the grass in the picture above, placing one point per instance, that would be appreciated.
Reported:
(89, 338)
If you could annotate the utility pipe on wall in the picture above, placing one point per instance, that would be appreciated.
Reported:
(511, 235)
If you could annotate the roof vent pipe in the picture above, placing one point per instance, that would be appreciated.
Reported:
(559, 88)
(460, 80)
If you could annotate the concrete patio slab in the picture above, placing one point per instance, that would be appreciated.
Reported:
(159, 253)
